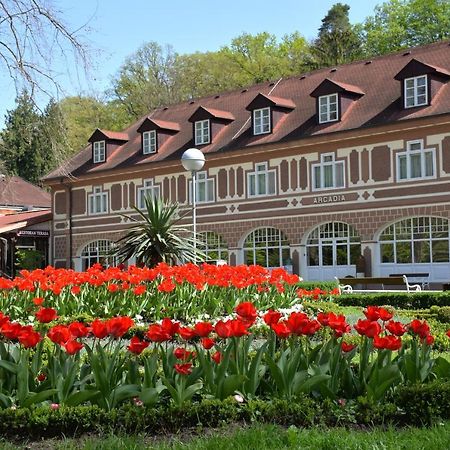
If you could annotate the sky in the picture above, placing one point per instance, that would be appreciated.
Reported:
(117, 28)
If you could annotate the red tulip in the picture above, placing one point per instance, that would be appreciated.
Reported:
(38, 301)
(429, 339)
(217, 357)
(11, 330)
(28, 337)
(156, 333)
(73, 347)
(346, 347)
(137, 346)
(118, 326)
(372, 313)
(183, 354)
(46, 315)
(385, 315)
(187, 333)
(207, 343)
(272, 317)
(246, 311)
(99, 329)
(203, 329)
(367, 328)
(78, 329)
(388, 342)
(338, 324)
(396, 328)
(422, 329)
(183, 369)
(59, 334)
(281, 330)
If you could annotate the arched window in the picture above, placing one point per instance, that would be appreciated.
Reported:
(415, 240)
(95, 252)
(333, 244)
(267, 247)
(213, 245)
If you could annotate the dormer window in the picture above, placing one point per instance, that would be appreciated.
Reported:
(202, 132)
(261, 121)
(416, 91)
(149, 143)
(328, 108)
(99, 151)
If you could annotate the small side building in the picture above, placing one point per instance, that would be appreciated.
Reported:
(25, 219)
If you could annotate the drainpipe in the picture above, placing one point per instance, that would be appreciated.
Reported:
(70, 228)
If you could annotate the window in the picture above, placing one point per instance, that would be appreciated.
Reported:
(148, 190)
(202, 134)
(416, 240)
(261, 121)
(328, 108)
(333, 244)
(267, 247)
(149, 142)
(96, 252)
(416, 162)
(261, 181)
(416, 91)
(98, 201)
(329, 173)
(204, 191)
(99, 151)
(213, 246)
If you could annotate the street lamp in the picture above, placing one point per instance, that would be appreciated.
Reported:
(193, 160)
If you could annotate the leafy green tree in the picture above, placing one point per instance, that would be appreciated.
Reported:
(337, 41)
(399, 24)
(82, 115)
(147, 80)
(24, 146)
(157, 236)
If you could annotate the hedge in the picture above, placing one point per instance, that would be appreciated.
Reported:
(417, 405)
(403, 300)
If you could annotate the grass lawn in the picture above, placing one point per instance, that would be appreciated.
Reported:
(264, 437)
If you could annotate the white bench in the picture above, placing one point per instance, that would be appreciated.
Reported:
(349, 283)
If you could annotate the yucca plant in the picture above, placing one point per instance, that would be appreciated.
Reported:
(158, 236)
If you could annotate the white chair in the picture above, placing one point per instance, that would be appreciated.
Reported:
(411, 287)
(343, 288)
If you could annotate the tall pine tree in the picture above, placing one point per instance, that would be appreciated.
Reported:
(24, 142)
(337, 41)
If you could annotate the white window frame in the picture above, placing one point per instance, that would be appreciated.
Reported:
(408, 153)
(98, 197)
(328, 100)
(261, 169)
(95, 252)
(201, 178)
(149, 188)
(414, 89)
(262, 121)
(325, 163)
(99, 151)
(202, 131)
(149, 142)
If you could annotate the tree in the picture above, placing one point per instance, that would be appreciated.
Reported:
(33, 37)
(399, 24)
(156, 237)
(147, 80)
(82, 115)
(24, 148)
(337, 41)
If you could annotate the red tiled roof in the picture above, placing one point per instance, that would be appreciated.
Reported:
(380, 104)
(166, 125)
(281, 102)
(22, 220)
(348, 87)
(217, 113)
(15, 191)
(117, 135)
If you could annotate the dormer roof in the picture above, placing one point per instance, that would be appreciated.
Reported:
(417, 68)
(264, 100)
(99, 134)
(328, 86)
(150, 123)
(202, 113)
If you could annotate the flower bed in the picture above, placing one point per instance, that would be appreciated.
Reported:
(92, 363)
(180, 292)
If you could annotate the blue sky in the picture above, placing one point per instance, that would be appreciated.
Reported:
(117, 28)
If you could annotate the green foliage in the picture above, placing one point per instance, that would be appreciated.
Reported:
(24, 141)
(157, 236)
(412, 405)
(398, 24)
(402, 300)
(29, 259)
(337, 41)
